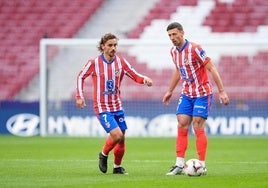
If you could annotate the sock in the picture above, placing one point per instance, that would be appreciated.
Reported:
(181, 142)
(180, 161)
(201, 143)
(203, 163)
(108, 146)
(117, 166)
(119, 151)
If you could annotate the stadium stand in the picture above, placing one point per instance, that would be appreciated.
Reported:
(248, 72)
(233, 66)
(239, 16)
(23, 24)
(93, 28)
(125, 16)
(233, 20)
(162, 10)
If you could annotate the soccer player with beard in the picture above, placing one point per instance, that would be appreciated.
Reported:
(107, 71)
(191, 66)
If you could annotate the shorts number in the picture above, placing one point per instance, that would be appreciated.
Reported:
(104, 117)
(180, 100)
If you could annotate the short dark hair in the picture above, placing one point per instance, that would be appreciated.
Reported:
(174, 25)
(104, 39)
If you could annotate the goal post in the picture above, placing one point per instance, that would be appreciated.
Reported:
(44, 43)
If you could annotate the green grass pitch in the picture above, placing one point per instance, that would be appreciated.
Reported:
(73, 162)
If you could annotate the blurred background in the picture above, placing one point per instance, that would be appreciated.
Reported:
(234, 34)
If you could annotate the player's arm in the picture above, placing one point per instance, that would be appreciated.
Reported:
(139, 78)
(223, 97)
(82, 75)
(174, 81)
(134, 75)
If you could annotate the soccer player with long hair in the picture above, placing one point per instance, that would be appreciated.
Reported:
(107, 71)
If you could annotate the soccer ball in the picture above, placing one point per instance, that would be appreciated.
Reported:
(193, 167)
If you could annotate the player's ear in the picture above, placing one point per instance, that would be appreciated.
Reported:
(102, 46)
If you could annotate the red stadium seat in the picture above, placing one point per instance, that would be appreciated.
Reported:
(24, 23)
(162, 10)
(238, 16)
(243, 71)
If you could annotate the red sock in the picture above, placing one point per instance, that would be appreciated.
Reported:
(201, 143)
(119, 151)
(181, 142)
(108, 146)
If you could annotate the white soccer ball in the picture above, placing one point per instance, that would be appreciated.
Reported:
(193, 167)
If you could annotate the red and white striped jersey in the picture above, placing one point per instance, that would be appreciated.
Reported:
(106, 78)
(191, 61)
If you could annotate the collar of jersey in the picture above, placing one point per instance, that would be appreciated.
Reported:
(104, 60)
(185, 44)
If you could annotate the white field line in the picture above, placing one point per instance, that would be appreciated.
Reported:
(132, 161)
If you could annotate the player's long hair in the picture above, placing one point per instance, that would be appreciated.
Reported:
(104, 39)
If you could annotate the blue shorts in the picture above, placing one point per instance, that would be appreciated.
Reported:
(199, 106)
(111, 120)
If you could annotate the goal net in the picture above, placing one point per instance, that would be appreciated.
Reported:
(61, 60)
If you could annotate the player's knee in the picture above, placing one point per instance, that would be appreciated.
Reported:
(116, 134)
(118, 137)
(184, 126)
(198, 123)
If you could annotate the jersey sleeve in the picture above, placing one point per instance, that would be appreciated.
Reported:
(173, 55)
(201, 55)
(82, 75)
(131, 72)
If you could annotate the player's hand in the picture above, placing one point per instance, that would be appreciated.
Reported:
(167, 97)
(148, 81)
(223, 97)
(80, 103)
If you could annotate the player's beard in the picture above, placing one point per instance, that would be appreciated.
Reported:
(176, 43)
(112, 53)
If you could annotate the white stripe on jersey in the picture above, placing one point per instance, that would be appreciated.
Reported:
(98, 83)
(113, 77)
(79, 84)
(105, 68)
